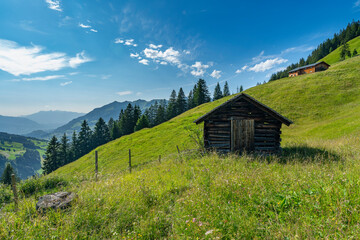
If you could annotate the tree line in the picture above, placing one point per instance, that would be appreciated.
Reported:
(131, 119)
(339, 39)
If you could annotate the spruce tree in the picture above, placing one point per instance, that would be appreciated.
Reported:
(136, 115)
(85, 138)
(75, 150)
(241, 88)
(64, 152)
(190, 100)
(345, 51)
(160, 115)
(171, 108)
(201, 94)
(217, 92)
(127, 120)
(110, 124)
(115, 131)
(51, 161)
(354, 53)
(226, 90)
(143, 122)
(6, 176)
(181, 103)
(101, 133)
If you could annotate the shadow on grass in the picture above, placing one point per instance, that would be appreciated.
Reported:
(306, 154)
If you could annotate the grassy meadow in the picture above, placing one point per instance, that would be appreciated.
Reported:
(311, 191)
(334, 56)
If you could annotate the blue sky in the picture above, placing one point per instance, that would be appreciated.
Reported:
(77, 55)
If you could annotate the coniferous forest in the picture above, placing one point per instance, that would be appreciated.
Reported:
(339, 39)
(63, 151)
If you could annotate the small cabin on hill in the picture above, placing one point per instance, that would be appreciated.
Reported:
(311, 68)
(243, 124)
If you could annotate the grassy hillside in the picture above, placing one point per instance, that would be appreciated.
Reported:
(312, 191)
(334, 56)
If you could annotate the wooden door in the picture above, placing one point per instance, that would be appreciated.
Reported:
(242, 135)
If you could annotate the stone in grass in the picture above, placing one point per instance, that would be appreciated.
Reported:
(59, 200)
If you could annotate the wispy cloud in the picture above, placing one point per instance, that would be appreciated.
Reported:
(84, 25)
(94, 30)
(25, 60)
(155, 46)
(267, 65)
(169, 55)
(199, 69)
(216, 74)
(54, 5)
(134, 55)
(242, 69)
(124, 93)
(127, 42)
(303, 48)
(357, 3)
(144, 61)
(45, 78)
(65, 83)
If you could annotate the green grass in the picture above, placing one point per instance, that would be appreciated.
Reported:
(334, 56)
(312, 191)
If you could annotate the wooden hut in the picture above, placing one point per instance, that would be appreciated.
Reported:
(243, 124)
(311, 68)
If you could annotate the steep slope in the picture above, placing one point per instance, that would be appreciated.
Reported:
(18, 125)
(53, 119)
(108, 111)
(323, 106)
(334, 56)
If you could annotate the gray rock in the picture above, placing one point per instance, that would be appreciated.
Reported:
(59, 200)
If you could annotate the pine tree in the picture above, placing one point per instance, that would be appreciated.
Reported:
(110, 124)
(345, 51)
(171, 108)
(6, 176)
(136, 115)
(217, 92)
(160, 115)
(101, 133)
(52, 159)
(226, 90)
(127, 120)
(115, 131)
(64, 152)
(181, 103)
(201, 94)
(85, 139)
(354, 53)
(143, 122)
(75, 149)
(190, 100)
(241, 88)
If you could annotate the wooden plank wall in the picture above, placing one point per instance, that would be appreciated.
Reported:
(217, 128)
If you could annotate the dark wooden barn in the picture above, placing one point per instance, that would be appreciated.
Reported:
(243, 124)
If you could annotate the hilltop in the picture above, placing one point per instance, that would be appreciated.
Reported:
(312, 191)
(334, 56)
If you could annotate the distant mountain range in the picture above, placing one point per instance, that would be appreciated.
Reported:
(40, 121)
(53, 119)
(111, 110)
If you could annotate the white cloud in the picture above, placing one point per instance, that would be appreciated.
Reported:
(73, 73)
(244, 67)
(186, 52)
(79, 59)
(94, 30)
(134, 55)
(124, 93)
(169, 55)
(144, 61)
(129, 42)
(65, 83)
(155, 46)
(259, 57)
(45, 78)
(84, 26)
(238, 71)
(118, 40)
(268, 64)
(216, 74)
(199, 69)
(54, 5)
(163, 63)
(21, 60)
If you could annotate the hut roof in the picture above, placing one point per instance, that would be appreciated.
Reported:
(251, 100)
(307, 66)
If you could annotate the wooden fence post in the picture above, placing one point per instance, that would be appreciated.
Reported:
(96, 165)
(159, 158)
(130, 160)
(13, 184)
